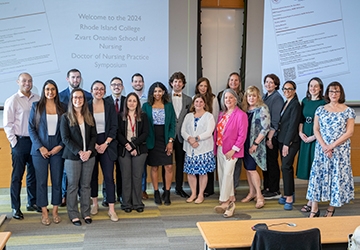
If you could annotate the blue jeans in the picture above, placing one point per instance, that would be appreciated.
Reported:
(21, 157)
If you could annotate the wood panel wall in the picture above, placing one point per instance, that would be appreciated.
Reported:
(5, 159)
(231, 4)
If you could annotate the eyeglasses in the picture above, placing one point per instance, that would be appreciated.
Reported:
(116, 85)
(288, 89)
(334, 92)
(98, 89)
(78, 97)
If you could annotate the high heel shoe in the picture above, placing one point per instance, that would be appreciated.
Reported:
(230, 210)
(248, 198)
(331, 212)
(316, 214)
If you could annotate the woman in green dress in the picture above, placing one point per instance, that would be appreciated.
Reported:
(314, 98)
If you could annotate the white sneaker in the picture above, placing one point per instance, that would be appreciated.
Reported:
(94, 209)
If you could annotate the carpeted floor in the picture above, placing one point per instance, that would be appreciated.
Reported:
(158, 227)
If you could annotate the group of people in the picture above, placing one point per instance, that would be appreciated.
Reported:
(73, 132)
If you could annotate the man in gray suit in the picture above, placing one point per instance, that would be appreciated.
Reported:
(181, 104)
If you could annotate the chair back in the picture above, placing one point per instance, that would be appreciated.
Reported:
(276, 240)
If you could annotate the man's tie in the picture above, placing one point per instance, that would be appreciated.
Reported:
(179, 95)
(117, 105)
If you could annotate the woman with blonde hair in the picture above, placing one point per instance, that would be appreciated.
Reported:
(255, 148)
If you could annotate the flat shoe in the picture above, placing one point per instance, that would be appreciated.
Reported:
(88, 220)
(113, 217)
(76, 222)
(189, 200)
(140, 210)
(56, 219)
(288, 205)
(220, 209)
(94, 209)
(248, 198)
(199, 201)
(45, 221)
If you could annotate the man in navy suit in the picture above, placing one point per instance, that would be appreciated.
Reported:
(116, 86)
(181, 104)
(74, 79)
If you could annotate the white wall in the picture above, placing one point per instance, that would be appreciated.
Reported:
(221, 44)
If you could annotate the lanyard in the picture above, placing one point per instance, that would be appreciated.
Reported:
(132, 125)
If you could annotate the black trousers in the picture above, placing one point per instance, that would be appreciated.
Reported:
(287, 168)
(272, 174)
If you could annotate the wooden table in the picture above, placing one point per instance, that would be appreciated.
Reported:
(4, 236)
(237, 234)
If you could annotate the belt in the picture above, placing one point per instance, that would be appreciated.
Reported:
(22, 137)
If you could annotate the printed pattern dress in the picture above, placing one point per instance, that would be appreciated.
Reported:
(199, 164)
(331, 179)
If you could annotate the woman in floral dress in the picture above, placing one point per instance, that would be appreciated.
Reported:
(331, 177)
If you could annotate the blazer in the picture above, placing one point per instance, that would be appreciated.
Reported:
(186, 103)
(288, 131)
(235, 133)
(65, 96)
(142, 131)
(110, 99)
(169, 123)
(111, 126)
(39, 135)
(71, 137)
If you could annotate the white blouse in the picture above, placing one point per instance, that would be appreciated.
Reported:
(51, 121)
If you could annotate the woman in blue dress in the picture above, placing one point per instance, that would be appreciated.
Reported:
(331, 177)
(197, 130)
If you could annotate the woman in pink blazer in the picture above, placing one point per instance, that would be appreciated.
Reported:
(229, 138)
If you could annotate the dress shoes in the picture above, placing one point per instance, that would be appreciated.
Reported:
(88, 220)
(140, 210)
(127, 210)
(17, 214)
(33, 207)
(105, 204)
(63, 202)
(76, 222)
(145, 195)
(182, 193)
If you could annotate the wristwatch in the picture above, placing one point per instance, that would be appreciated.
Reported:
(107, 143)
(171, 140)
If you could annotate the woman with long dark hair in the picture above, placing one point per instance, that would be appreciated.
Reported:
(106, 146)
(132, 133)
(47, 148)
(161, 116)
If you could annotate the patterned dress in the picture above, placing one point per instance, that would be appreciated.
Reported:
(331, 179)
(199, 164)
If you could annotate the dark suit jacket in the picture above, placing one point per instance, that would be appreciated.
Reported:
(288, 131)
(142, 131)
(186, 103)
(111, 126)
(71, 137)
(39, 135)
(110, 99)
(169, 128)
(65, 95)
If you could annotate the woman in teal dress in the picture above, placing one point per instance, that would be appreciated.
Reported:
(314, 98)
